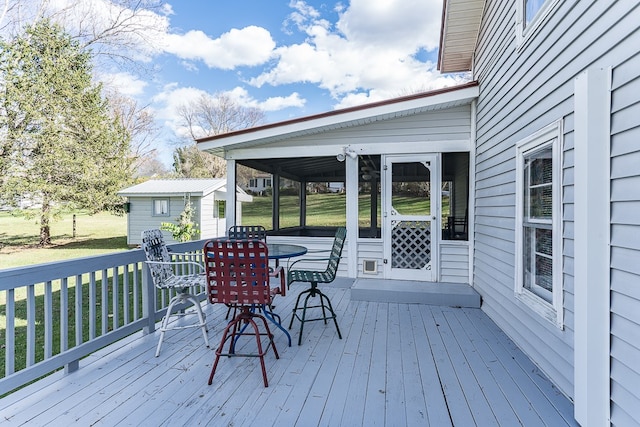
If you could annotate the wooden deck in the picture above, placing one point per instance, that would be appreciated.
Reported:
(397, 365)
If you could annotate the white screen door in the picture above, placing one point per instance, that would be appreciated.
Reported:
(410, 217)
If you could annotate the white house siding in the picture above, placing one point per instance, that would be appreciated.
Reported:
(441, 125)
(370, 250)
(454, 262)
(625, 240)
(523, 89)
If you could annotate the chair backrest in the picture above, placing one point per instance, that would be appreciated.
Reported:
(156, 250)
(248, 232)
(237, 271)
(336, 252)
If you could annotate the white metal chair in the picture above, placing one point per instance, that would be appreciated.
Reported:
(163, 273)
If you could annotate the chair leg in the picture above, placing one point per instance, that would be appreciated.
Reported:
(201, 317)
(233, 330)
(325, 304)
(180, 298)
(165, 322)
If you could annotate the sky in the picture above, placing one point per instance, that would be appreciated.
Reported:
(289, 58)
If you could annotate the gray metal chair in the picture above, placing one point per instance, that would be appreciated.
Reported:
(163, 272)
(313, 277)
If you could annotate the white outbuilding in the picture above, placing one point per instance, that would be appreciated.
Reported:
(162, 200)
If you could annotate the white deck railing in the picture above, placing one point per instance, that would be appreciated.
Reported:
(66, 310)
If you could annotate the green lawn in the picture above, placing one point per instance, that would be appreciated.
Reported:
(95, 234)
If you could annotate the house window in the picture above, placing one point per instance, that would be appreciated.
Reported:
(538, 223)
(219, 209)
(161, 207)
(530, 16)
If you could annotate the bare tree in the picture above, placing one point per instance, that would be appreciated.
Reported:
(117, 30)
(211, 115)
(138, 121)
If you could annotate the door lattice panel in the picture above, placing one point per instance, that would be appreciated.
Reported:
(411, 245)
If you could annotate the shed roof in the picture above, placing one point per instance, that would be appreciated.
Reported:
(193, 186)
(459, 34)
(178, 187)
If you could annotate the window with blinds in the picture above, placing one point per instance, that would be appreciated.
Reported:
(538, 222)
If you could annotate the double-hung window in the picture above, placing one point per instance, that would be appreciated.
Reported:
(161, 207)
(538, 223)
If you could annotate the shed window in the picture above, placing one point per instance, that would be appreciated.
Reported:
(161, 207)
(538, 219)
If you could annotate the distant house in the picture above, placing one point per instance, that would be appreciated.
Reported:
(162, 200)
(259, 183)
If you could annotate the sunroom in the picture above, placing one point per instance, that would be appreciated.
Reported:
(395, 173)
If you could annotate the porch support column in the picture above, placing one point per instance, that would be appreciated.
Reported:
(275, 201)
(230, 208)
(351, 189)
(303, 203)
(592, 247)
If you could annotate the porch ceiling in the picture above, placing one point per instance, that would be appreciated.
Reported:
(308, 169)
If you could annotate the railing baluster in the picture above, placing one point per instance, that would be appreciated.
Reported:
(48, 315)
(136, 290)
(64, 315)
(31, 325)
(125, 294)
(104, 302)
(115, 286)
(78, 309)
(10, 333)
(93, 313)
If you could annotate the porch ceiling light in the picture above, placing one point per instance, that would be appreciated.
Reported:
(346, 151)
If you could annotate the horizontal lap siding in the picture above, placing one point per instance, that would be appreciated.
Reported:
(625, 242)
(454, 263)
(442, 125)
(521, 91)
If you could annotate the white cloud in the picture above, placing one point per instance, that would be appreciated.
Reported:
(276, 103)
(247, 46)
(370, 53)
(168, 102)
(125, 83)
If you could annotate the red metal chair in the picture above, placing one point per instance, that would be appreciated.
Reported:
(238, 274)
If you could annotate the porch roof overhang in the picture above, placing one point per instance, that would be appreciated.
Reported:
(265, 148)
(221, 145)
(459, 34)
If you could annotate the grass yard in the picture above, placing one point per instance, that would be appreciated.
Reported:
(95, 234)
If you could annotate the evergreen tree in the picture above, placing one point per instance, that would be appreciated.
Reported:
(60, 146)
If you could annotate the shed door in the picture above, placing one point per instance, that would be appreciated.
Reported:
(410, 217)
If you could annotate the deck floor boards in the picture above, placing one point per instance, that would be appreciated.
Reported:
(397, 364)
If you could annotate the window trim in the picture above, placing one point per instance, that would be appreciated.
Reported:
(524, 34)
(549, 136)
(153, 206)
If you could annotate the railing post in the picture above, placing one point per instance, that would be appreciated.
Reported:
(148, 300)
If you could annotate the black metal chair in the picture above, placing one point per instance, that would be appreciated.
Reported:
(248, 232)
(313, 277)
